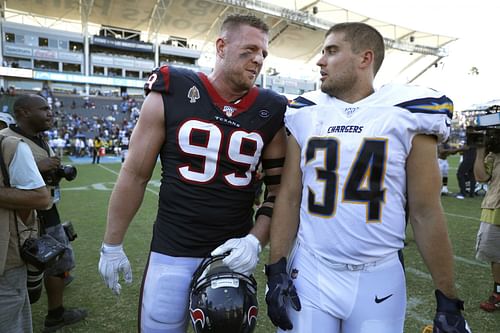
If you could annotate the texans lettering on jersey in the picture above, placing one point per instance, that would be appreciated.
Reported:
(209, 160)
(353, 159)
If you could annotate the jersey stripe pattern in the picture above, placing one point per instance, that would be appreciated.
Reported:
(209, 160)
(353, 159)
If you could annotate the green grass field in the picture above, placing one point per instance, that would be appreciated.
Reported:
(84, 202)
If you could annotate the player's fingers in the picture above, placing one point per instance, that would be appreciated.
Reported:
(110, 276)
(116, 289)
(127, 272)
(293, 296)
(219, 250)
(284, 321)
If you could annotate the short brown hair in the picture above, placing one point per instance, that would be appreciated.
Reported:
(362, 36)
(232, 22)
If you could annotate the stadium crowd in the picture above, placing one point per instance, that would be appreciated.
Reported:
(79, 120)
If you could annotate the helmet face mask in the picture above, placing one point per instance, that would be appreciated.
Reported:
(222, 300)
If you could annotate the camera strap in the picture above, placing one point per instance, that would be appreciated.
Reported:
(38, 140)
(6, 181)
(6, 178)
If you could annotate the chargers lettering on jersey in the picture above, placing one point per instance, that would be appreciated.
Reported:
(345, 129)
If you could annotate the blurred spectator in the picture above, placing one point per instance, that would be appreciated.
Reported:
(465, 173)
(488, 237)
(97, 145)
(444, 150)
(6, 120)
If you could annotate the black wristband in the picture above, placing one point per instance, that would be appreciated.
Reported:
(273, 163)
(264, 210)
(446, 304)
(272, 180)
(276, 268)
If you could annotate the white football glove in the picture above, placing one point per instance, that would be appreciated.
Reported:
(244, 254)
(113, 261)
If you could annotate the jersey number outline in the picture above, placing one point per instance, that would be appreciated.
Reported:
(208, 152)
(364, 181)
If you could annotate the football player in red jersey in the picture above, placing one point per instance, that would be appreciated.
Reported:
(211, 132)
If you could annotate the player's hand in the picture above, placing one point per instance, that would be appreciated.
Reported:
(114, 261)
(449, 317)
(244, 254)
(280, 291)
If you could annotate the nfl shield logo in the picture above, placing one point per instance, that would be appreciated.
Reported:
(228, 110)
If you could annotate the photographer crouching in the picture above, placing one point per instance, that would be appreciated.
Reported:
(487, 169)
(34, 117)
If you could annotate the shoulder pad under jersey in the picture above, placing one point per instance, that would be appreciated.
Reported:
(415, 99)
(431, 109)
(161, 77)
(315, 97)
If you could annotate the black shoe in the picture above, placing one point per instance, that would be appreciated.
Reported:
(69, 317)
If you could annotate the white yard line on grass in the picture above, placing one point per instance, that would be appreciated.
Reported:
(471, 262)
(116, 173)
(463, 216)
(422, 275)
(411, 310)
(418, 273)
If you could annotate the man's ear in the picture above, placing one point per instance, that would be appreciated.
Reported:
(21, 112)
(220, 45)
(367, 58)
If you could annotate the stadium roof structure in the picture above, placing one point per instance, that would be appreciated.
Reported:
(297, 27)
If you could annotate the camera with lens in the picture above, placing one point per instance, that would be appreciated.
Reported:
(34, 283)
(488, 137)
(53, 177)
(42, 252)
(486, 133)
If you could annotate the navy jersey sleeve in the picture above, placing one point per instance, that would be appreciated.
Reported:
(158, 81)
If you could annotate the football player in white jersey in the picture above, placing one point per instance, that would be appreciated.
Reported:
(354, 162)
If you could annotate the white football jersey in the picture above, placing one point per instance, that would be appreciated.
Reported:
(353, 159)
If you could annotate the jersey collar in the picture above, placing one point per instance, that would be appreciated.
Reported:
(230, 109)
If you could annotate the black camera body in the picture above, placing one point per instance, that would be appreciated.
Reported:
(42, 252)
(53, 177)
(486, 132)
(484, 136)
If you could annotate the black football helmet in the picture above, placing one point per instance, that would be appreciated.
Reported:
(221, 300)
